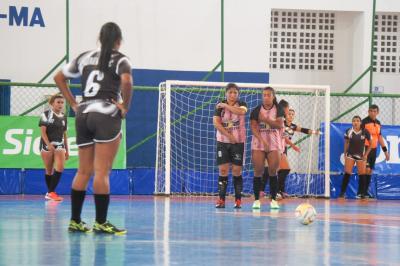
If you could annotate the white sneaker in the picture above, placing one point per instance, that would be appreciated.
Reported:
(256, 205)
(47, 196)
(274, 204)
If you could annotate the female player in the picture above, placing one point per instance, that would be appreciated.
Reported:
(355, 153)
(229, 120)
(104, 73)
(53, 144)
(284, 167)
(266, 122)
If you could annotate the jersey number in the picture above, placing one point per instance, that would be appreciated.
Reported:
(92, 87)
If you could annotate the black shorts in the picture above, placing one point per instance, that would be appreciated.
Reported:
(57, 146)
(371, 159)
(230, 153)
(94, 127)
(355, 157)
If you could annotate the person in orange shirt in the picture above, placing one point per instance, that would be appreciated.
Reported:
(374, 128)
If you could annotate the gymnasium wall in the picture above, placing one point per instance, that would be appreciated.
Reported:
(180, 39)
(185, 36)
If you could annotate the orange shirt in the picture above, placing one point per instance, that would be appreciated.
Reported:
(374, 129)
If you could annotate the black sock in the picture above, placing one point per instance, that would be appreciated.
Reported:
(238, 184)
(264, 179)
(282, 174)
(55, 179)
(77, 199)
(345, 182)
(101, 201)
(48, 182)
(256, 187)
(222, 185)
(367, 183)
(361, 185)
(273, 186)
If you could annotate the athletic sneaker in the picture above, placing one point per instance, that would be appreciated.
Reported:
(274, 204)
(47, 196)
(220, 204)
(341, 196)
(284, 195)
(256, 205)
(78, 227)
(370, 196)
(238, 204)
(279, 196)
(108, 228)
(54, 196)
(358, 196)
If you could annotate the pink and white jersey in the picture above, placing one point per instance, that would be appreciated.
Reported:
(233, 123)
(272, 136)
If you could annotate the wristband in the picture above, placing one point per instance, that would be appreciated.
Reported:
(304, 130)
(384, 149)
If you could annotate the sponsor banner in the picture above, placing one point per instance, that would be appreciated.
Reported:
(391, 136)
(20, 139)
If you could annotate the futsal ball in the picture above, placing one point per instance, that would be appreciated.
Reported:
(305, 213)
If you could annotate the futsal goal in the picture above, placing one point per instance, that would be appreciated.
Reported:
(186, 137)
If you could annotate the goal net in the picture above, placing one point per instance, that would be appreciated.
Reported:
(186, 138)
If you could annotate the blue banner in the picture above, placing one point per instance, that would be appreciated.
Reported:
(391, 136)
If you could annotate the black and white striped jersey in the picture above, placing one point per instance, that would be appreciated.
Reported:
(96, 84)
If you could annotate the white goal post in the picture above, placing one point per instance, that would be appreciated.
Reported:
(185, 162)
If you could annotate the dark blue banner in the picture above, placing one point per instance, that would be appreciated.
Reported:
(391, 136)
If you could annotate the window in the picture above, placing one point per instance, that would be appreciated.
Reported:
(313, 31)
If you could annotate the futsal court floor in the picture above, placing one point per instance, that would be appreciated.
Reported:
(190, 231)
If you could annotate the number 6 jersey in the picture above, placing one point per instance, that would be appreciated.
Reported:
(96, 84)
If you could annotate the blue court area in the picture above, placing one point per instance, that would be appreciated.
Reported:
(190, 231)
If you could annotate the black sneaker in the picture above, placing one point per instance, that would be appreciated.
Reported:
(108, 228)
(341, 196)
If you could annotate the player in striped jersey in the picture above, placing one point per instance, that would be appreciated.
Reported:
(229, 120)
(266, 122)
(355, 152)
(54, 144)
(290, 129)
(107, 89)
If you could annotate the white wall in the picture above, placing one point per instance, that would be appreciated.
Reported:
(185, 35)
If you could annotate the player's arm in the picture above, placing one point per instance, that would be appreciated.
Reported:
(238, 110)
(346, 145)
(306, 130)
(61, 82)
(368, 148)
(124, 70)
(273, 123)
(365, 156)
(126, 93)
(384, 148)
(66, 145)
(218, 125)
(255, 130)
(291, 144)
(43, 134)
